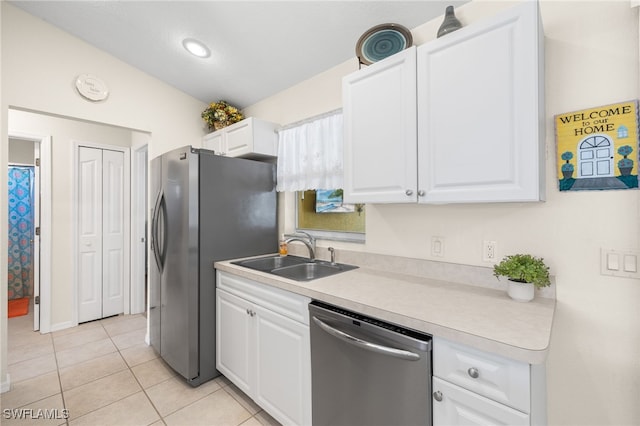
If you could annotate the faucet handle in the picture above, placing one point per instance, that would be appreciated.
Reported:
(333, 255)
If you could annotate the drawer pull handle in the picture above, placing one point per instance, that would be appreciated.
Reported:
(437, 395)
(473, 372)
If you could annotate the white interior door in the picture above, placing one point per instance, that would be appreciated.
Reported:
(90, 234)
(101, 219)
(112, 233)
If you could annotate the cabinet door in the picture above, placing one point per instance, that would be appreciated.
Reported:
(283, 373)
(453, 405)
(480, 123)
(235, 335)
(215, 142)
(239, 138)
(379, 107)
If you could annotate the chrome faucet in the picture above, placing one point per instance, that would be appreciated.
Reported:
(307, 240)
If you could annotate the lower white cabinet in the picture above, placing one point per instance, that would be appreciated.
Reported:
(454, 405)
(472, 387)
(262, 346)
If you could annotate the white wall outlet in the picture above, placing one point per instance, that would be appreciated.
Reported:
(489, 251)
(437, 246)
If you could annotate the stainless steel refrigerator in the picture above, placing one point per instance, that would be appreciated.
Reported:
(206, 208)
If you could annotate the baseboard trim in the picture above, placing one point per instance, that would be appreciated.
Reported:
(61, 326)
(5, 386)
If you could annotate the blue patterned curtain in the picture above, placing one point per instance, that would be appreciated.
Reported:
(20, 231)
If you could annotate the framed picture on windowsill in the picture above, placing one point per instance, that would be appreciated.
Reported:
(327, 224)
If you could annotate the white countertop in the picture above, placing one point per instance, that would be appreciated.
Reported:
(484, 318)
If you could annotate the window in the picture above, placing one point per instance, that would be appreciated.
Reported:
(343, 222)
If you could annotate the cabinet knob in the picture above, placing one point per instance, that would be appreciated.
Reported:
(437, 395)
(473, 372)
(408, 192)
(421, 193)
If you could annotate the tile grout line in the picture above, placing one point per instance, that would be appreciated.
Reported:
(129, 367)
(55, 355)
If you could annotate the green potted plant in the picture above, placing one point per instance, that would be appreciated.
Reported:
(525, 273)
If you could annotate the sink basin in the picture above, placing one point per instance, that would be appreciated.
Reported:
(267, 264)
(311, 270)
(294, 267)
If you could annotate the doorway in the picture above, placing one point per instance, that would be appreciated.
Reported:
(29, 222)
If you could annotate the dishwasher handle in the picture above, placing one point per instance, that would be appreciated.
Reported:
(373, 347)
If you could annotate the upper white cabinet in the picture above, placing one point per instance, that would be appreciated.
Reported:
(250, 137)
(379, 110)
(481, 111)
(479, 118)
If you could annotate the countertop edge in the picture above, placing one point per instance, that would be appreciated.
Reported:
(530, 355)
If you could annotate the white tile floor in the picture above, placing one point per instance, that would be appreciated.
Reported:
(103, 373)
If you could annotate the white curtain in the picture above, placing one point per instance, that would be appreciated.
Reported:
(310, 155)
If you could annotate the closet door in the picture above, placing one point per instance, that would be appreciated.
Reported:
(101, 233)
(90, 234)
(112, 232)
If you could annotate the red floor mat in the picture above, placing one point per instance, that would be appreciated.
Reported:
(18, 307)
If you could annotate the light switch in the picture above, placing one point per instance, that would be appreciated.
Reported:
(630, 263)
(619, 263)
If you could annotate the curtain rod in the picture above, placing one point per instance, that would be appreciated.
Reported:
(310, 119)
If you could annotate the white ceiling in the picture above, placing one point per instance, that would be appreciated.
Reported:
(258, 47)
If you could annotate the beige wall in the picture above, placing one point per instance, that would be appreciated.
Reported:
(594, 360)
(39, 64)
(64, 132)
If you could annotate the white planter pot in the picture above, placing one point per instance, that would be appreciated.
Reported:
(521, 292)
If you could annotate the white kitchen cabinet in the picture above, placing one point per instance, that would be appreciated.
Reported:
(479, 121)
(262, 346)
(481, 111)
(473, 387)
(458, 406)
(379, 110)
(249, 138)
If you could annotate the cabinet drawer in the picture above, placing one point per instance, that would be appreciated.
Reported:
(280, 301)
(498, 378)
(453, 405)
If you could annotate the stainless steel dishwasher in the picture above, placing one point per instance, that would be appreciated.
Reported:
(367, 372)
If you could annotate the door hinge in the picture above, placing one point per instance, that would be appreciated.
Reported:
(36, 300)
(37, 230)
(37, 162)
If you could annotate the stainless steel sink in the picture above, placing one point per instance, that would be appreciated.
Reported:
(294, 267)
(311, 270)
(267, 264)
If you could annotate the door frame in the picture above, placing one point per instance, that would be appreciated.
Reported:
(139, 173)
(44, 267)
(127, 222)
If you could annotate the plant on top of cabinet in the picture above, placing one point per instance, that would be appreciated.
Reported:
(524, 273)
(220, 114)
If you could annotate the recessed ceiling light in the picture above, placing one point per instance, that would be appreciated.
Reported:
(196, 48)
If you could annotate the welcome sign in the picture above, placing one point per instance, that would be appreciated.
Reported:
(598, 148)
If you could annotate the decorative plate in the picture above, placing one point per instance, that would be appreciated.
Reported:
(381, 41)
(91, 87)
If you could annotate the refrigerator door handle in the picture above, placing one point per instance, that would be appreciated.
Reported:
(162, 243)
(154, 232)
